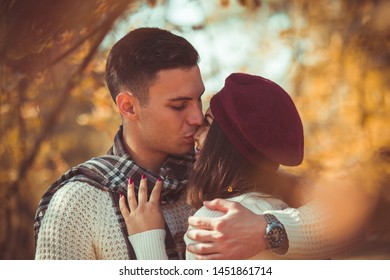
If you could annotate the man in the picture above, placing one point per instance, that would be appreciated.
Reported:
(156, 84)
(154, 79)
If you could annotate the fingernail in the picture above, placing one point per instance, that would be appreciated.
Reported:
(158, 179)
(120, 194)
(130, 181)
(143, 176)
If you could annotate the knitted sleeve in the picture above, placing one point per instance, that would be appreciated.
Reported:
(149, 245)
(310, 233)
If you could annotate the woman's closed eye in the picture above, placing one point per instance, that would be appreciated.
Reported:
(208, 120)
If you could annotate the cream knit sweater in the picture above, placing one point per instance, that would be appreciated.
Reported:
(80, 223)
(309, 232)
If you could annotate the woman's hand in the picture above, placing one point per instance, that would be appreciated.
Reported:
(143, 215)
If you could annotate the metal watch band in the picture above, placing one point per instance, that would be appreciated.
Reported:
(271, 218)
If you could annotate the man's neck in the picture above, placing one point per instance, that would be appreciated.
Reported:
(143, 157)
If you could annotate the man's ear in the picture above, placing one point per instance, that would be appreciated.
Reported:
(128, 105)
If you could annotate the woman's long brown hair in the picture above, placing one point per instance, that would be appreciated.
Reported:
(221, 166)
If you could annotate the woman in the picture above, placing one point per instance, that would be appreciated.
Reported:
(251, 127)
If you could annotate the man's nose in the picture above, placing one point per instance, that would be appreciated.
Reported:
(196, 118)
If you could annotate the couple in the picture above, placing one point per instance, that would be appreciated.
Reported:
(154, 79)
(251, 127)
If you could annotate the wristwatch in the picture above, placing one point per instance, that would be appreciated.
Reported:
(275, 234)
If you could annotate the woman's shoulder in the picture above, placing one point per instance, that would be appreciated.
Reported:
(254, 201)
(260, 202)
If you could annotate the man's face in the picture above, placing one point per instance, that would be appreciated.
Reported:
(168, 122)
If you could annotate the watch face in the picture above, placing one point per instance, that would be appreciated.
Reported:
(276, 237)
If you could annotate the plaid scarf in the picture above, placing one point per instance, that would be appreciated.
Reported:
(111, 172)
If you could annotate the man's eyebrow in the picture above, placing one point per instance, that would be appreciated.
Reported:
(180, 98)
(184, 98)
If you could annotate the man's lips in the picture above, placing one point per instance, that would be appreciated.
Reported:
(189, 139)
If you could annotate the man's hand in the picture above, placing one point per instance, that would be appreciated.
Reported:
(239, 234)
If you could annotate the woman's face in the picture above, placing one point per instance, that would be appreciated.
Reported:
(202, 131)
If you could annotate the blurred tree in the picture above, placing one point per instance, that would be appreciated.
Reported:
(341, 85)
(342, 61)
(46, 50)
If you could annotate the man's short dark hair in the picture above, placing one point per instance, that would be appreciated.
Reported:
(135, 60)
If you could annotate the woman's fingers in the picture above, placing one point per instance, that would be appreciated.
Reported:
(143, 190)
(131, 196)
(156, 192)
(144, 215)
(134, 202)
(123, 207)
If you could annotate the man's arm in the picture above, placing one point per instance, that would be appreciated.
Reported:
(65, 232)
(239, 234)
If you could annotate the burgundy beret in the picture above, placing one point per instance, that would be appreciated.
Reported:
(260, 119)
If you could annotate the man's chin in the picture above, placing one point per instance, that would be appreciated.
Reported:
(184, 151)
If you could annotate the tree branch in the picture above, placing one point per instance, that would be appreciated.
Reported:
(63, 98)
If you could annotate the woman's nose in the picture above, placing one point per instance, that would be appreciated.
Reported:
(197, 133)
(196, 117)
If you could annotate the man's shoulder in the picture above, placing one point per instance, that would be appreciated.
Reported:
(79, 199)
(80, 191)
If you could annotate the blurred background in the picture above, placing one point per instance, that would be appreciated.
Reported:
(332, 56)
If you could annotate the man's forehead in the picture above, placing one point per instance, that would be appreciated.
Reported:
(179, 84)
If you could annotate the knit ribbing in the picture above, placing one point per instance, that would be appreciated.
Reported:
(149, 245)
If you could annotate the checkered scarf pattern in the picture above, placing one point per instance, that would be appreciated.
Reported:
(111, 172)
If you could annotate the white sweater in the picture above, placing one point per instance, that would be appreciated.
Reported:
(308, 231)
(80, 223)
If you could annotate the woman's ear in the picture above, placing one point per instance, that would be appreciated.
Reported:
(128, 105)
